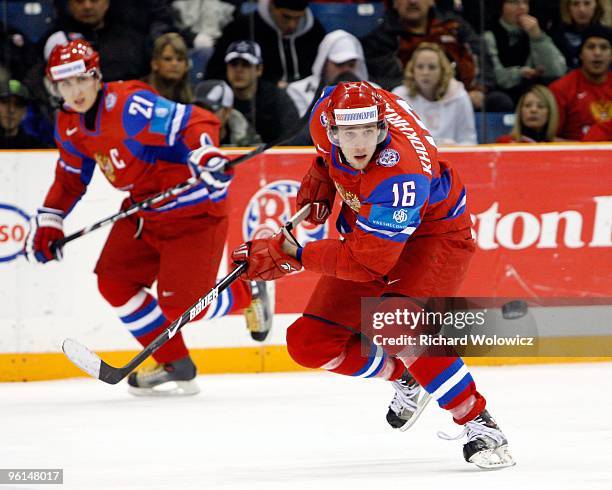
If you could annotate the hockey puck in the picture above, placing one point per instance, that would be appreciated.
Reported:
(513, 310)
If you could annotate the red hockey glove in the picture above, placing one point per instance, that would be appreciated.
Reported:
(317, 189)
(45, 228)
(265, 258)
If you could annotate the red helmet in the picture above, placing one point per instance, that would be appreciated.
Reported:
(75, 58)
(353, 103)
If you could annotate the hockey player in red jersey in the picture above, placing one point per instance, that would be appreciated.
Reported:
(405, 232)
(144, 144)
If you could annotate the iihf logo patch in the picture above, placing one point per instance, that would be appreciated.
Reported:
(110, 101)
(388, 158)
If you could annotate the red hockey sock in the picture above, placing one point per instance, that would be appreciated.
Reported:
(241, 296)
(140, 313)
(450, 383)
(313, 343)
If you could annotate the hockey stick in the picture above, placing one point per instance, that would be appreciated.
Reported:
(92, 364)
(172, 191)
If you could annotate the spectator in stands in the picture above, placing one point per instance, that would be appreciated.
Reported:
(404, 27)
(288, 34)
(576, 16)
(205, 18)
(600, 132)
(438, 99)
(521, 53)
(584, 95)
(266, 106)
(537, 118)
(170, 68)
(123, 50)
(338, 52)
(302, 135)
(151, 18)
(14, 99)
(217, 96)
(16, 54)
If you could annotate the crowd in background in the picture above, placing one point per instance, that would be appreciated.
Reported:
(261, 66)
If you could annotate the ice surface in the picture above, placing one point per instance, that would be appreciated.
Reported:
(307, 431)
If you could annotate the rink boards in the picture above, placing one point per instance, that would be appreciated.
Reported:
(542, 219)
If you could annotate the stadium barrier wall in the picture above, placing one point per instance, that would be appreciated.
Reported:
(542, 218)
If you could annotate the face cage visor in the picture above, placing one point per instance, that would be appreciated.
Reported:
(52, 86)
(333, 131)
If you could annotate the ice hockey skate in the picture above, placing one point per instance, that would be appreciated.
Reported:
(486, 446)
(260, 312)
(170, 379)
(408, 403)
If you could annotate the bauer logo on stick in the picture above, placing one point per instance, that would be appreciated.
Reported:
(202, 304)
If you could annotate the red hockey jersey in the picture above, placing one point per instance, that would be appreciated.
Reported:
(404, 192)
(141, 142)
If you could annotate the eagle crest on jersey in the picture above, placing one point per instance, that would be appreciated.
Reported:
(351, 200)
(105, 164)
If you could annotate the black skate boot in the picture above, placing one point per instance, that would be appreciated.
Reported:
(407, 405)
(487, 446)
(169, 379)
(260, 312)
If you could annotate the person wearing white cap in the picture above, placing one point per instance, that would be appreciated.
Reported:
(339, 52)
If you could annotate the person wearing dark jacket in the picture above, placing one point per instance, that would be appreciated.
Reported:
(14, 100)
(288, 34)
(576, 17)
(267, 107)
(411, 22)
(124, 54)
(120, 46)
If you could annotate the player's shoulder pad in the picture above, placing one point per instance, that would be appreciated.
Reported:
(65, 124)
(143, 107)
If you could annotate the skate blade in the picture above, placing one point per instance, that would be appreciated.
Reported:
(170, 388)
(491, 459)
(421, 404)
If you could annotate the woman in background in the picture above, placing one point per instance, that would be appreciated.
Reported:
(170, 68)
(537, 118)
(437, 97)
(522, 54)
(576, 16)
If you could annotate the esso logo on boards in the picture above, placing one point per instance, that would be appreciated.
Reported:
(14, 226)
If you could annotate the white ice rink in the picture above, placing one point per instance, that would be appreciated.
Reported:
(307, 431)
